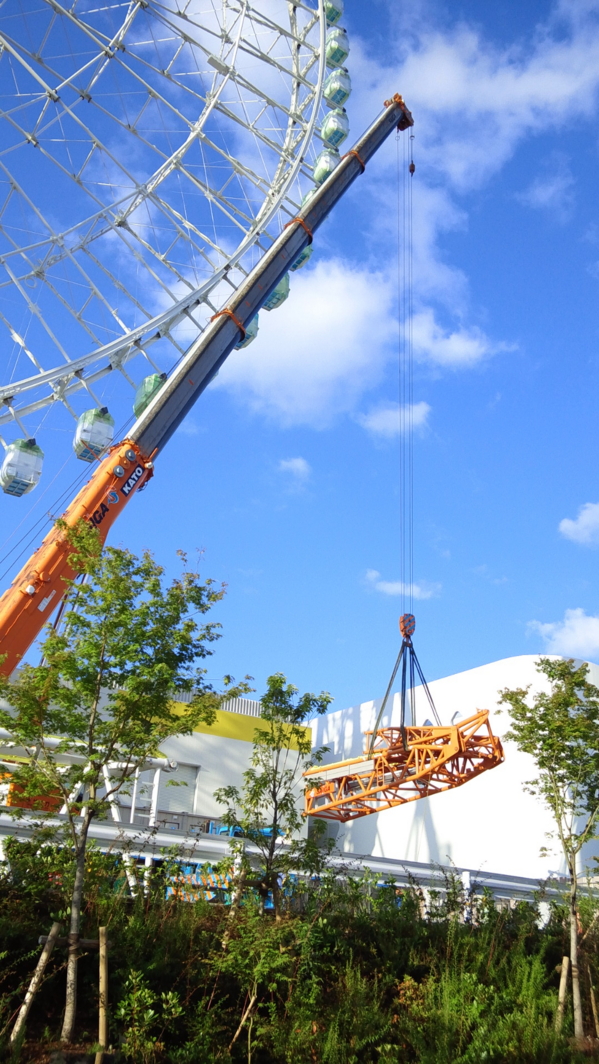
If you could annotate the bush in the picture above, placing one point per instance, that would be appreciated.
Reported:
(352, 973)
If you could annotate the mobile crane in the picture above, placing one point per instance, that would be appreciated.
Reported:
(40, 585)
(400, 764)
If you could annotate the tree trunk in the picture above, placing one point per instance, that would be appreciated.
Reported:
(66, 1035)
(576, 999)
(103, 996)
(239, 877)
(276, 897)
(246, 1013)
(271, 877)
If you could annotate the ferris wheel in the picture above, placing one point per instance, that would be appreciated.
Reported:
(150, 153)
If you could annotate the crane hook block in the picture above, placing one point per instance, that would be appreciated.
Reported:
(407, 625)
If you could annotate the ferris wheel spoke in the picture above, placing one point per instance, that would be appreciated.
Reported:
(58, 252)
(35, 311)
(93, 290)
(100, 40)
(142, 191)
(258, 133)
(20, 342)
(254, 52)
(7, 46)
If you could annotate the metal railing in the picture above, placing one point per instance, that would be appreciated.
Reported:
(247, 706)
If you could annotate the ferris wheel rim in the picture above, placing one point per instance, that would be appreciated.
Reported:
(67, 378)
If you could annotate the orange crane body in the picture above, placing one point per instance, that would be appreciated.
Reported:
(40, 586)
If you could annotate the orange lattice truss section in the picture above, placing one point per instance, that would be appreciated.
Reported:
(403, 765)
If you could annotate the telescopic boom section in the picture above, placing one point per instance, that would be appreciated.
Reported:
(40, 585)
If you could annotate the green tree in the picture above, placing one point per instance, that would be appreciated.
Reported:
(265, 811)
(101, 701)
(561, 732)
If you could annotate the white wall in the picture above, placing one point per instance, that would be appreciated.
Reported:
(221, 762)
(490, 823)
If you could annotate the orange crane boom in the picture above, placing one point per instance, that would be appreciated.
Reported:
(40, 586)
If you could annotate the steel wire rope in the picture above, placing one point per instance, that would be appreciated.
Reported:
(405, 376)
(410, 357)
(26, 516)
(403, 440)
(45, 519)
(400, 382)
(404, 424)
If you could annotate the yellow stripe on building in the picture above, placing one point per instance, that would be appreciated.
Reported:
(238, 726)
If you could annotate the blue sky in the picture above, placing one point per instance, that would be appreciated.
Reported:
(286, 474)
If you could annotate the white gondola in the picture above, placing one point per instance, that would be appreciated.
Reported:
(94, 433)
(335, 127)
(337, 88)
(278, 294)
(146, 392)
(325, 163)
(306, 199)
(337, 47)
(22, 467)
(302, 258)
(251, 332)
(333, 10)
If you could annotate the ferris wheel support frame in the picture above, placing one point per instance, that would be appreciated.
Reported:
(76, 246)
(40, 586)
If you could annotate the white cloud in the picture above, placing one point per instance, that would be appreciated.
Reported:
(389, 420)
(298, 468)
(576, 636)
(585, 528)
(462, 347)
(321, 350)
(474, 103)
(553, 190)
(422, 590)
(501, 94)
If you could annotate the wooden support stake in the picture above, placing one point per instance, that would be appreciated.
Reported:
(593, 1001)
(563, 987)
(35, 982)
(103, 1002)
(83, 943)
